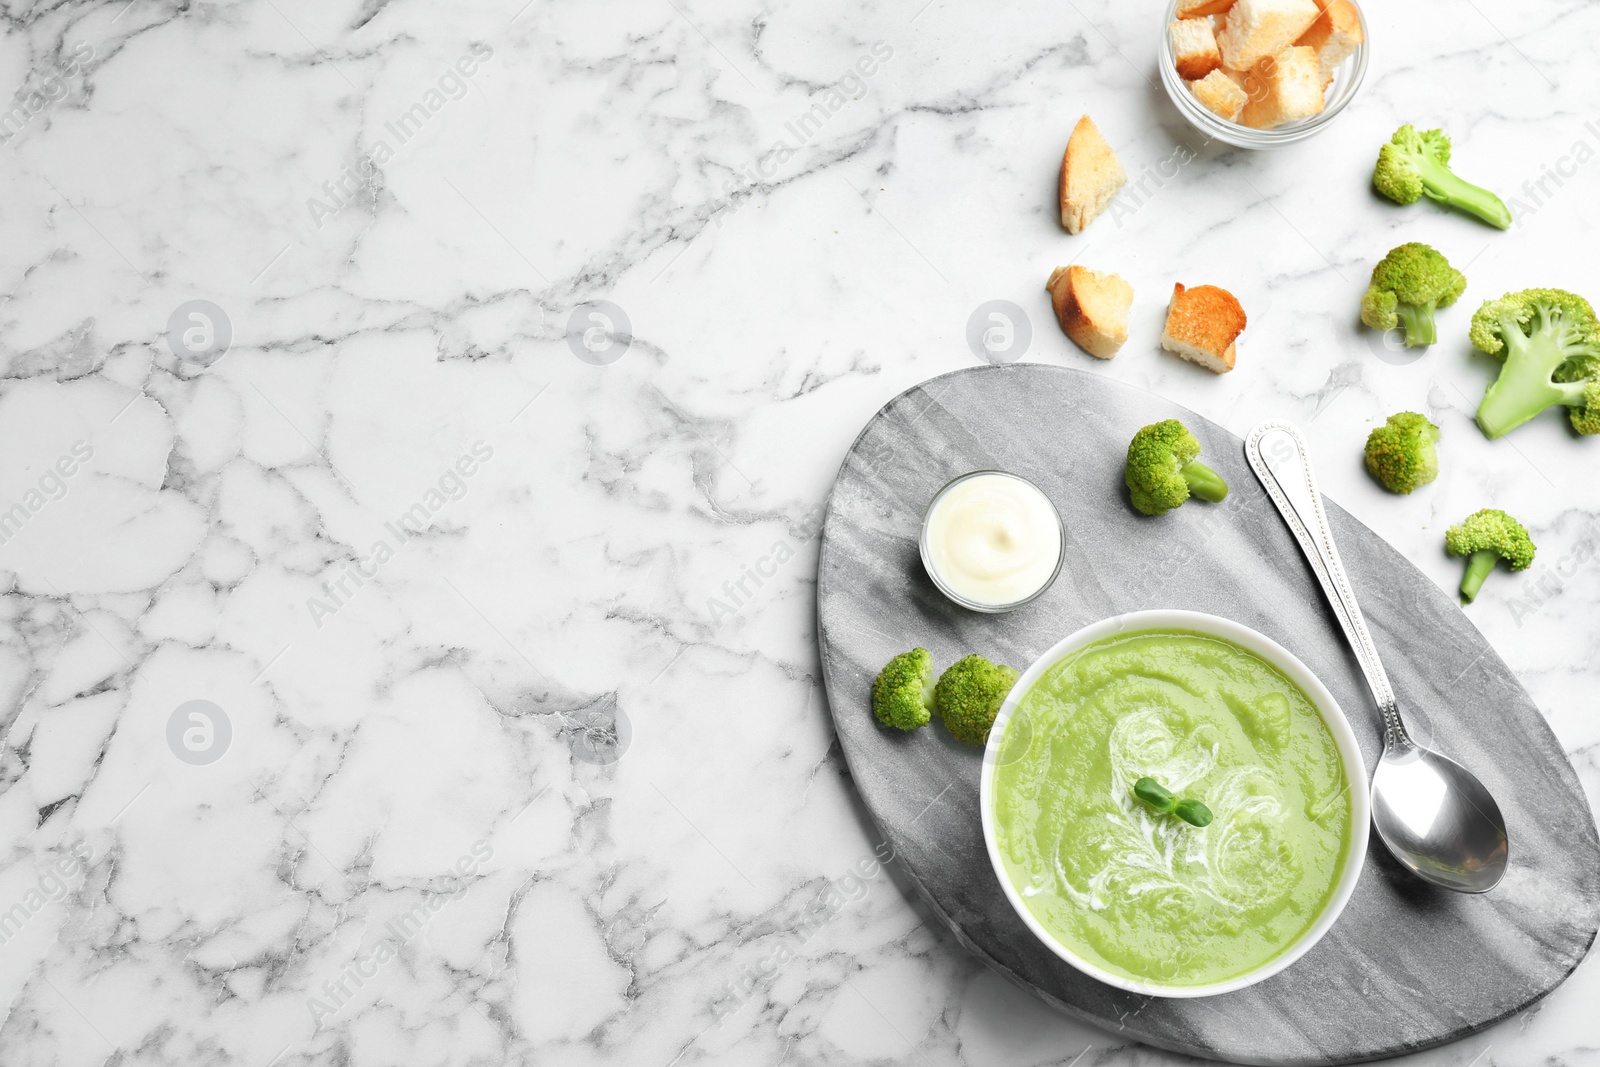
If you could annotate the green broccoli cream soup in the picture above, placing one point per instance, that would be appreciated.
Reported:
(1143, 894)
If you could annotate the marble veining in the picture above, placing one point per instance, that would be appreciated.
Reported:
(1385, 979)
(416, 421)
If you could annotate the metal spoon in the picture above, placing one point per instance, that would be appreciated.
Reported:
(1432, 813)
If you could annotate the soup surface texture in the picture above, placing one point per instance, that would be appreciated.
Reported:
(1143, 894)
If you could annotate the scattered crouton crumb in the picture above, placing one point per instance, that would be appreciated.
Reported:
(1203, 325)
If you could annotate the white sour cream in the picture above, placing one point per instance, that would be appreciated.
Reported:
(991, 540)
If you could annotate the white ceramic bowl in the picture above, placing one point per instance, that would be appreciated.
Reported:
(1346, 80)
(1297, 672)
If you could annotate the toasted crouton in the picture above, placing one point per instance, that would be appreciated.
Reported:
(1202, 326)
(1335, 36)
(1193, 9)
(1250, 81)
(1260, 28)
(1091, 175)
(1092, 308)
(1194, 47)
(1219, 93)
(1254, 80)
(1284, 88)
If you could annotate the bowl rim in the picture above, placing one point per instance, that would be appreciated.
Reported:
(1237, 134)
(1297, 672)
(925, 550)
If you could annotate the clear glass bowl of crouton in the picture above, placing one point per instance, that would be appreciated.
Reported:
(1262, 73)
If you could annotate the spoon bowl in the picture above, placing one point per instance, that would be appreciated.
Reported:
(1434, 815)
(1439, 820)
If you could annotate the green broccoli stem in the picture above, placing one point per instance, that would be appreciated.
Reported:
(1479, 564)
(1525, 386)
(1204, 482)
(1440, 183)
(1418, 322)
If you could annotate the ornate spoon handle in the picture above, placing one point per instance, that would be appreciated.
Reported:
(1280, 458)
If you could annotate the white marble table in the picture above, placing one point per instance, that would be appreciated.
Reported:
(396, 832)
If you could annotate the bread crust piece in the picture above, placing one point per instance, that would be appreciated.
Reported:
(1220, 94)
(1092, 308)
(1335, 36)
(1193, 9)
(1091, 176)
(1203, 324)
(1285, 88)
(1194, 48)
(1260, 28)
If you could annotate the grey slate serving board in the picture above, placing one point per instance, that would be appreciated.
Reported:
(1406, 966)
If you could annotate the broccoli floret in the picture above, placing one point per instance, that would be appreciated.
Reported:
(1549, 340)
(1413, 165)
(1401, 453)
(1407, 285)
(1586, 419)
(1162, 469)
(1486, 537)
(902, 694)
(969, 696)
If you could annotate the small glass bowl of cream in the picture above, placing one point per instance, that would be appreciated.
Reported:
(991, 541)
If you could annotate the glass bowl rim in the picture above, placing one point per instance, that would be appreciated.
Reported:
(932, 571)
(1239, 135)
